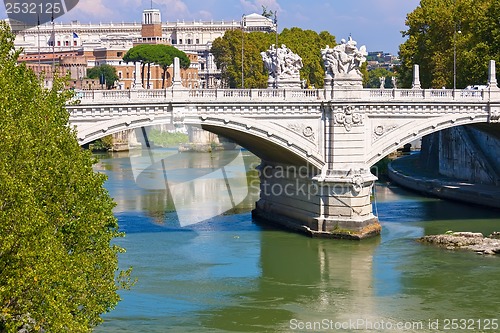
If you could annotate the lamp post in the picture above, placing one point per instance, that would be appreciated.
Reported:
(455, 31)
(242, 51)
(276, 45)
(455, 57)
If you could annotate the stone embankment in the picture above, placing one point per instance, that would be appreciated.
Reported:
(407, 172)
(471, 241)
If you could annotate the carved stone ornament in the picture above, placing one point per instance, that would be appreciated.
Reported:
(495, 117)
(357, 183)
(306, 131)
(380, 130)
(348, 118)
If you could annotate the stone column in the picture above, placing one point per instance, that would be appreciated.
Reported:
(492, 77)
(416, 77)
(177, 80)
(137, 77)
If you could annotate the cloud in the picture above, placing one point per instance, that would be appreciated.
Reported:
(95, 9)
(256, 5)
(127, 10)
(175, 7)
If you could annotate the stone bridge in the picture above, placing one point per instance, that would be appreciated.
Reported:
(325, 139)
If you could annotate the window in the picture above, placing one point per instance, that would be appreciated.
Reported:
(180, 41)
(58, 43)
(66, 43)
(74, 43)
(119, 54)
(174, 41)
(197, 41)
(120, 75)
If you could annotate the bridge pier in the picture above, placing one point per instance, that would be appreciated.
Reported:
(335, 204)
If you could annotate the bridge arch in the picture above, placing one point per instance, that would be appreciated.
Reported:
(396, 136)
(267, 141)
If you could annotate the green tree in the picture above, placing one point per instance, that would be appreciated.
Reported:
(109, 73)
(227, 52)
(162, 55)
(373, 78)
(57, 264)
(140, 53)
(440, 29)
(308, 44)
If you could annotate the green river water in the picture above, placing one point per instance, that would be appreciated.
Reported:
(230, 274)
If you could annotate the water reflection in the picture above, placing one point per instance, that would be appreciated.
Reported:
(229, 274)
(301, 279)
(196, 186)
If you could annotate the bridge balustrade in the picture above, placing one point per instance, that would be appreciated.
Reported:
(382, 93)
(270, 95)
(152, 93)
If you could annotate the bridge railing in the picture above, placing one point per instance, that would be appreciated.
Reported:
(257, 94)
(427, 94)
(199, 95)
(277, 95)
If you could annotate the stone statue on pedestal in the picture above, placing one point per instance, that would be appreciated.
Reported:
(283, 66)
(382, 82)
(342, 63)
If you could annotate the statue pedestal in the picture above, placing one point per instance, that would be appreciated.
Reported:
(347, 86)
(289, 82)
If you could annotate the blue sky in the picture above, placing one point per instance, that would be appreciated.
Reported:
(374, 23)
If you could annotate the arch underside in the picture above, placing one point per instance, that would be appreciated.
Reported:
(414, 130)
(87, 133)
(267, 141)
(264, 149)
(269, 144)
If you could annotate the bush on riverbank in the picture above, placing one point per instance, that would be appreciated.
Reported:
(167, 139)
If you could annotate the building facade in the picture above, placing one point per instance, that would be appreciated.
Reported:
(194, 37)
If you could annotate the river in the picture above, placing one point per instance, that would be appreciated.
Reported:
(230, 274)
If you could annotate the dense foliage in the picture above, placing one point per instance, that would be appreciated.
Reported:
(438, 27)
(227, 52)
(160, 54)
(106, 71)
(57, 266)
(372, 78)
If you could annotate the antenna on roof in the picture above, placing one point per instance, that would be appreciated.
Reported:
(151, 4)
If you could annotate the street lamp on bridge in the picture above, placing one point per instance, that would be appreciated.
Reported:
(455, 57)
(242, 51)
(455, 32)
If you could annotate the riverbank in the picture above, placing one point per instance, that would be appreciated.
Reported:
(408, 173)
